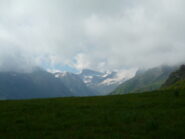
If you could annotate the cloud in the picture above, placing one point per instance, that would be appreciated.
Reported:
(101, 35)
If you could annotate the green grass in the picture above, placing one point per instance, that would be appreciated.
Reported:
(149, 115)
(179, 85)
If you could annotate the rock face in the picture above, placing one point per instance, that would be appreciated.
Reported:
(75, 84)
(175, 77)
(148, 80)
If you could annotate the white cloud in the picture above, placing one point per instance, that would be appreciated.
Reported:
(95, 34)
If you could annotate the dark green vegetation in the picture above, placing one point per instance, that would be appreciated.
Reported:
(179, 85)
(148, 80)
(176, 79)
(157, 115)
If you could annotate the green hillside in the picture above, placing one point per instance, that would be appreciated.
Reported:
(176, 79)
(146, 115)
(148, 80)
(179, 85)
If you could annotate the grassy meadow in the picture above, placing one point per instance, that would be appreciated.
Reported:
(146, 115)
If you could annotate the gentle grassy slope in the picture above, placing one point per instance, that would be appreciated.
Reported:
(148, 115)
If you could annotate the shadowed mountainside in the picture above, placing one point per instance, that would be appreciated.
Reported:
(37, 84)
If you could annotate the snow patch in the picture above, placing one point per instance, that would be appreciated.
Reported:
(53, 71)
(106, 74)
(119, 78)
(87, 79)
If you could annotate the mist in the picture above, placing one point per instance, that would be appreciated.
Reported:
(100, 35)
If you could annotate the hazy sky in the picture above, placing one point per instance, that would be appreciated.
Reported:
(96, 34)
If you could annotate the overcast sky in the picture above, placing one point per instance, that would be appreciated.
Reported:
(95, 34)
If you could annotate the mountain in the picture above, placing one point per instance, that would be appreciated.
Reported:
(37, 84)
(75, 84)
(145, 80)
(176, 79)
(43, 84)
(104, 82)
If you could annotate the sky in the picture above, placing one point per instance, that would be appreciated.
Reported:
(72, 35)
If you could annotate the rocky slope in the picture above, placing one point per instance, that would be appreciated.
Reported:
(104, 82)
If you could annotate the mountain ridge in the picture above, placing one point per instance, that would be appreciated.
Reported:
(37, 84)
(74, 83)
(104, 82)
(176, 79)
(145, 80)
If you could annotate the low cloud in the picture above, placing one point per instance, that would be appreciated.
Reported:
(104, 35)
